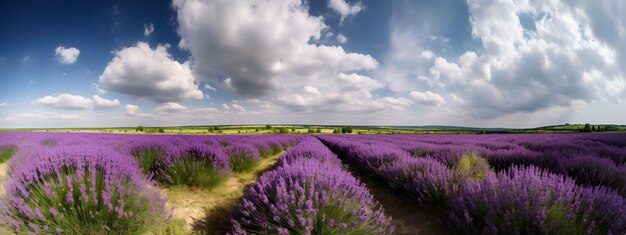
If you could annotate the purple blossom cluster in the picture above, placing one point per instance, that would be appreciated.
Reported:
(309, 193)
(81, 183)
(69, 189)
(532, 201)
(548, 184)
(557, 153)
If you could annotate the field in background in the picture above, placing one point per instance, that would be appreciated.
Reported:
(319, 129)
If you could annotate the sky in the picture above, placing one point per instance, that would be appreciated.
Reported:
(482, 63)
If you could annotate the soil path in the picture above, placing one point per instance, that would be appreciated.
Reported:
(407, 218)
(192, 204)
(3, 173)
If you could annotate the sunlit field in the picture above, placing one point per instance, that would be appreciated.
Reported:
(76, 183)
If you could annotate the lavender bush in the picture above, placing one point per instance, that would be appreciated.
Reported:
(423, 180)
(242, 156)
(195, 165)
(533, 201)
(309, 197)
(148, 155)
(71, 190)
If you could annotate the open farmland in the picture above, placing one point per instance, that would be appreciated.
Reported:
(69, 183)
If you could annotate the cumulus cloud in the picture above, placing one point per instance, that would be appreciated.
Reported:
(67, 55)
(563, 52)
(238, 108)
(104, 103)
(171, 107)
(341, 38)
(345, 9)
(66, 101)
(134, 111)
(427, 98)
(225, 107)
(143, 72)
(38, 115)
(260, 45)
(148, 29)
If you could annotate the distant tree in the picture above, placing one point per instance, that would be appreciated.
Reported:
(346, 129)
(217, 128)
(211, 129)
(587, 128)
(161, 130)
(336, 131)
(256, 130)
(318, 130)
(293, 129)
(306, 127)
(283, 130)
(593, 128)
(268, 126)
(311, 131)
(139, 128)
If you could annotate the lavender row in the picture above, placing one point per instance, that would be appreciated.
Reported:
(68, 183)
(521, 200)
(591, 159)
(309, 192)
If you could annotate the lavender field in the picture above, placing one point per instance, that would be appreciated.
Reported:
(68, 183)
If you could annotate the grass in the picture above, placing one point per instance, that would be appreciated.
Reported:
(6, 153)
(205, 211)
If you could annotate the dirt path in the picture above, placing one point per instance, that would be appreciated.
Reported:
(3, 172)
(407, 218)
(191, 204)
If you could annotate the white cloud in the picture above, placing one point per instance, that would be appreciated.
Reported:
(171, 107)
(427, 98)
(564, 53)
(341, 38)
(238, 108)
(67, 55)
(3, 105)
(262, 47)
(104, 103)
(311, 90)
(135, 111)
(142, 72)
(148, 29)
(66, 101)
(209, 87)
(344, 9)
(38, 115)
(225, 107)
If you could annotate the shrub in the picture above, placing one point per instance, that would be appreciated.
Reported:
(195, 165)
(594, 171)
(532, 201)
(242, 157)
(471, 167)
(423, 180)
(6, 152)
(148, 155)
(309, 197)
(81, 191)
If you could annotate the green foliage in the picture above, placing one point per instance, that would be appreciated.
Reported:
(6, 152)
(556, 215)
(139, 128)
(310, 131)
(148, 157)
(193, 172)
(346, 129)
(241, 162)
(84, 215)
(471, 166)
(587, 128)
(268, 126)
(211, 129)
(318, 130)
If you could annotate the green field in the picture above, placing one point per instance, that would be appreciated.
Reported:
(320, 129)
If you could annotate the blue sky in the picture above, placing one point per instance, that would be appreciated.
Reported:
(507, 63)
